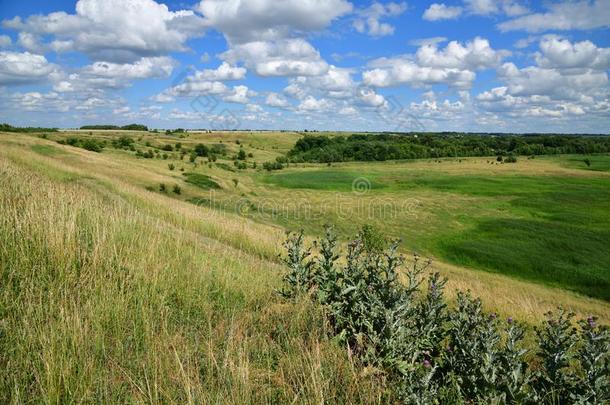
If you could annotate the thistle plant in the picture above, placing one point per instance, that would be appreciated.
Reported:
(433, 352)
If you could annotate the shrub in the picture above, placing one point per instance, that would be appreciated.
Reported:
(587, 161)
(167, 148)
(162, 188)
(269, 166)
(171, 166)
(510, 159)
(92, 145)
(177, 189)
(123, 142)
(241, 155)
(500, 158)
(201, 150)
(432, 353)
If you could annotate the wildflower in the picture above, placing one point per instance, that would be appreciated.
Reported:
(510, 320)
(427, 363)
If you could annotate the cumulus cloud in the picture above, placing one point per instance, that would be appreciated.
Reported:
(368, 20)
(569, 79)
(266, 35)
(311, 104)
(112, 30)
(561, 53)
(240, 94)
(108, 75)
(222, 73)
(490, 7)
(243, 21)
(277, 101)
(577, 15)
(209, 82)
(454, 65)
(440, 11)
(24, 67)
(285, 57)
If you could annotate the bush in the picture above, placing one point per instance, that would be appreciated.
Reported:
(162, 188)
(510, 159)
(430, 352)
(177, 189)
(171, 166)
(587, 161)
(241, 155)
(269, 166)
(201, 150)
(124, 142)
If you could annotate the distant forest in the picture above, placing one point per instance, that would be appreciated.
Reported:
(10, 128)
(130, 127)
(384, 146)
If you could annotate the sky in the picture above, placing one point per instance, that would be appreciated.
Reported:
(463, 65)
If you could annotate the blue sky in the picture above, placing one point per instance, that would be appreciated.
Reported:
(464, 65)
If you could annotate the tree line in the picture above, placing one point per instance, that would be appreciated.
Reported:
(130, 127)
(10, 128)
(386, 146)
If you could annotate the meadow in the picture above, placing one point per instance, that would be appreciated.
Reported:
(118, 289)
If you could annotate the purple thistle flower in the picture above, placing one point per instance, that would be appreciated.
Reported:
(591, 322)
(510, 320)
(427, 363)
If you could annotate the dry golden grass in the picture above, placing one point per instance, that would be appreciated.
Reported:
(112, 293)
(105, 300)
(119, 175)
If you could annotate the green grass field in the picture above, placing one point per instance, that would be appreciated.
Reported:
(549, 229)
(114, 291)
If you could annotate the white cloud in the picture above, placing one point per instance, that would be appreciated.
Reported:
(161, 66)
(240, 94)
(490, 7)
(285, 57)
(223, 72)
(19, 68)
(368, 18)
(561, 53)
(368, 97)
(569, 80)
(572, 15)
(277, 101)
(108, 75)
(454, 65)
(440, 11)
(121, 110)
(264, 20)
(349, 110)
(266, 35)
(311, 104)
(113, 30)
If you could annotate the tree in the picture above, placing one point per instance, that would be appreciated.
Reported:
(201, 150)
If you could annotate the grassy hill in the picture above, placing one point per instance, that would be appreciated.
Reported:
(115, 291)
